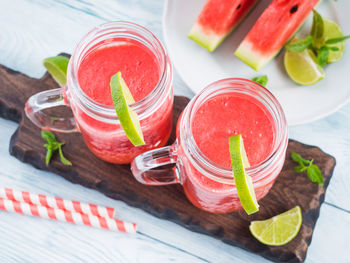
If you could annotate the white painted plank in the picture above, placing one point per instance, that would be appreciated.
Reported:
(35, 240)
(331, 238)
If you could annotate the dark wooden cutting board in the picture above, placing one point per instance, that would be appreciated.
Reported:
(167, 202)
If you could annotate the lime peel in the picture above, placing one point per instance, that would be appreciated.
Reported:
(244, 184)
(278, 230)
(122, 98)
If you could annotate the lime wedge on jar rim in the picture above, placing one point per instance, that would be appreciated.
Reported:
(57, 67)
(278, 230)
(122, 98)
(244, 183)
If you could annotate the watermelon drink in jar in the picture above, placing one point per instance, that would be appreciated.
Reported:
(200, 157)
(107, 49)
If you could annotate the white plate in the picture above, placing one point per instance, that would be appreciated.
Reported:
(198, 67)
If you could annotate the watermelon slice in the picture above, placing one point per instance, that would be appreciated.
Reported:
(217, 20)
(278, 23)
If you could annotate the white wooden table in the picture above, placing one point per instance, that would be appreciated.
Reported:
(33, 30)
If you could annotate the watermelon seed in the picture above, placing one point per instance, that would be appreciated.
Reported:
(294, 9)
(238, 7)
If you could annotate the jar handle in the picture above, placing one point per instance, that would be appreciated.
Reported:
(157, 167)
(36, 104)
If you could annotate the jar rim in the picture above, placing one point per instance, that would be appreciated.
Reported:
(141, 107)
(219, 173)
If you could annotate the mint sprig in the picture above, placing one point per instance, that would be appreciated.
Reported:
(262, 80)
(316, 41)
(322, 56)
(336, 40)
(53, 145)
(299, 45)
(312, 170)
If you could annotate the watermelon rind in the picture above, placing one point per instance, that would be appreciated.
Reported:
(210, 42)
(251, 58)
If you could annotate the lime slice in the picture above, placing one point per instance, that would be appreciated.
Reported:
(244, 184)
(122, 98)
(332, 30)
(302, 67)
(57, 67)
(278, 230)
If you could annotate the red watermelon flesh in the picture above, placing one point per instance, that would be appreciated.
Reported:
(217, 20)
(273, 29)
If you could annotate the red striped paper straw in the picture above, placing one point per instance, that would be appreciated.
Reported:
(56, 203)
(67, 216)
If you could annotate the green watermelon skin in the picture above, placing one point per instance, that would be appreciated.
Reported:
(217, 20)
(278, 23)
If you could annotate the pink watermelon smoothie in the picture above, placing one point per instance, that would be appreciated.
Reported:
(227, 115)
(141, 72)
(137, 65)
(212, 124)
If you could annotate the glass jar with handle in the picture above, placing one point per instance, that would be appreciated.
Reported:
(97, 121)
(199, 159)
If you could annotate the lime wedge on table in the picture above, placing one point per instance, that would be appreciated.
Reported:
(278, 230)
(332, 30)
(302, 67)
(244, 184)
(122, 98)
(57, 67)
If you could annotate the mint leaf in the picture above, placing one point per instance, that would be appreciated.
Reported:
(48, 156)
(299, 45)
(48, 136)
(322, 56)
(300, 168)
(52, 145)
(336, 40)
(262, 80)
(317, 27)
(62, 158)
(298, 159)
(312, 170)
(314, 174)
(333, 48)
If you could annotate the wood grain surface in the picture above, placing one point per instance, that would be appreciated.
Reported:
(117, 182)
